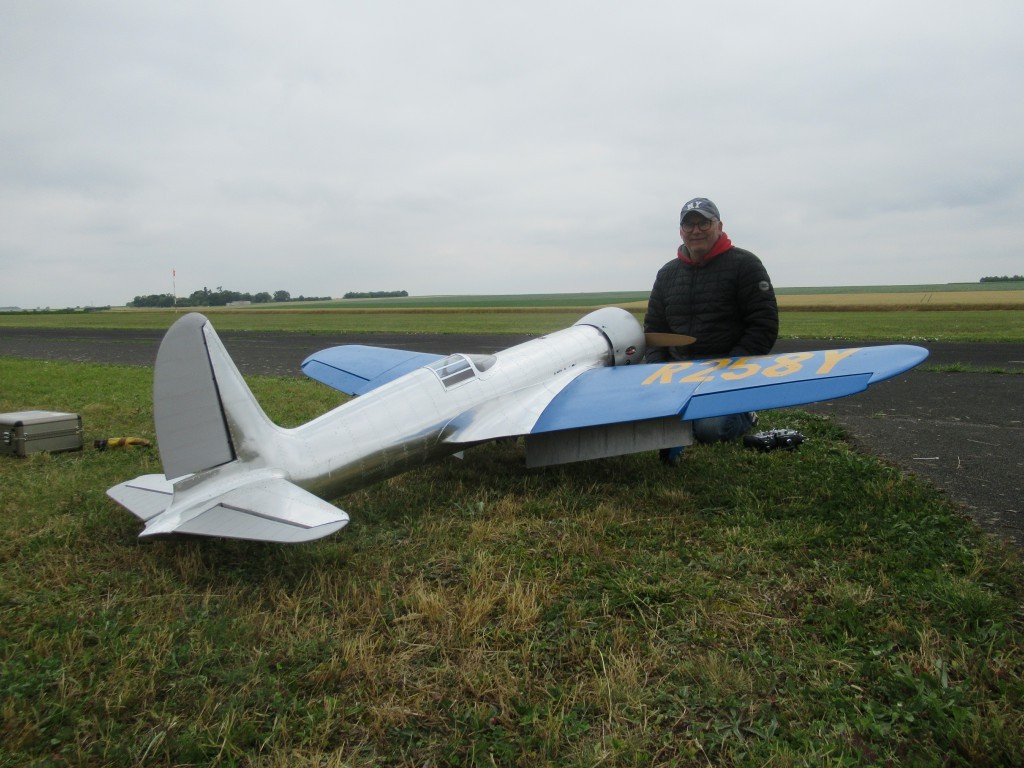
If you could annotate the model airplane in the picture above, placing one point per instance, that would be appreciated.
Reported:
(580, 393)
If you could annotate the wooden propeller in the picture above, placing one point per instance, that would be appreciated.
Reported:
(668, 340)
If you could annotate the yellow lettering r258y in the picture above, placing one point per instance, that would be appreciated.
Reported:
(664, 374)
(833, 356)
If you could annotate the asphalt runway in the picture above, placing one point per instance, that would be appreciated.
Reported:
(963, 432)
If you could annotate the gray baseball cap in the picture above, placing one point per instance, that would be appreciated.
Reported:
(700, 205)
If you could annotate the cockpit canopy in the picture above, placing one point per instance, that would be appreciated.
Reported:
(456, 369)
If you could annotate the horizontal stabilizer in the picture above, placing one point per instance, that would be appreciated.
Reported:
(145, 497)
(356, 369)
(269, 509)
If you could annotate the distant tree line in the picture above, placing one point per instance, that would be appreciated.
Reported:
(1003, 279)
(374, 294)
(217, 298)
(51, 310)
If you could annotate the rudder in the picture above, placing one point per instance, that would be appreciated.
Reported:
(202, 407)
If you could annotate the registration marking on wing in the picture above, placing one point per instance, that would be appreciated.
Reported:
(821, 363)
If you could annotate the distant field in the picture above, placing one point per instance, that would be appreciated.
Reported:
(959, 312)
(938, 300)
(518, 301)
(957, 294)
(1010, 285)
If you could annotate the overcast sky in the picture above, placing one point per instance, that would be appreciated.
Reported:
(529, 147)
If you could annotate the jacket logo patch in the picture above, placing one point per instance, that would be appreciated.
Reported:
(765, 286)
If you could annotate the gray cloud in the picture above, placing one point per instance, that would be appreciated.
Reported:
(459, 148)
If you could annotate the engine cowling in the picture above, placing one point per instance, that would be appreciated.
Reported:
(623, 332)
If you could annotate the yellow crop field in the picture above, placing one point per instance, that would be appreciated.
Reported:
(915, 300)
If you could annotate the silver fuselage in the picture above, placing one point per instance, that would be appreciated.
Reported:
(405, 423)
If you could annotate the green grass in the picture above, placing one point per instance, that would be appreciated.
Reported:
(961, 325)
(907, 326)
(813, 608)
(968, 368)
(327, 321)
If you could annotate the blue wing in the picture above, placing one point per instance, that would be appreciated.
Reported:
(704, 388)
(356, 369)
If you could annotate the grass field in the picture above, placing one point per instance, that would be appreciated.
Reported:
(816, 608)
(813, 608)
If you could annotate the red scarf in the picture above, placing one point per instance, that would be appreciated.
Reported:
(722, 244)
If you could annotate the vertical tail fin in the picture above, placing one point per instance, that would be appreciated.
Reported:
(207, 418)
(205, 413)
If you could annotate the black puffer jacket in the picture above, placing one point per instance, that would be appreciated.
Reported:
(727, 303)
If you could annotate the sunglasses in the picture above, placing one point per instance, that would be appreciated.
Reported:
(702, 224)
